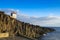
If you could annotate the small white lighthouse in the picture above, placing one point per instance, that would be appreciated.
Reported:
(13, 15)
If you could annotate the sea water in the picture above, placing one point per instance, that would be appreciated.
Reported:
(53, 35)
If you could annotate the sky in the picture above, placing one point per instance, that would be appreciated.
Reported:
(40, 12)
(33, 7)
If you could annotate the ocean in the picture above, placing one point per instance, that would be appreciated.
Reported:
(53, 35)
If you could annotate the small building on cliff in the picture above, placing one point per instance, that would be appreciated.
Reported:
(13, 15)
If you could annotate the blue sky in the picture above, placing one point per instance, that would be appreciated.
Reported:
(37, 12)
(33, 7)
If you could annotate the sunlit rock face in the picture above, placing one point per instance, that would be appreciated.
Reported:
(18, 28)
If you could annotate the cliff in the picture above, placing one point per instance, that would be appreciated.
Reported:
(18, 28)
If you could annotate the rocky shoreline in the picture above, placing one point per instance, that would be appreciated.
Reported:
(17, 28)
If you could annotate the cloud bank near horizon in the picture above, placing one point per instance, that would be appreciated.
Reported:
(53, 21)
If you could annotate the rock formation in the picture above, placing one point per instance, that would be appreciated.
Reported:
(18, 28)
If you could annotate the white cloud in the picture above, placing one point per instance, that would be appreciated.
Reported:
(42, 21)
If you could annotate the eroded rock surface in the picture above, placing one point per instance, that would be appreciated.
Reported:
(18, 28)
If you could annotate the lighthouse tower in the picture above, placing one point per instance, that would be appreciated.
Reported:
(13, 15)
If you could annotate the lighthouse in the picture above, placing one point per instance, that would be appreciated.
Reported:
(13, 15)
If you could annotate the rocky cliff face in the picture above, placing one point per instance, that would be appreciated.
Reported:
(18, 28)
